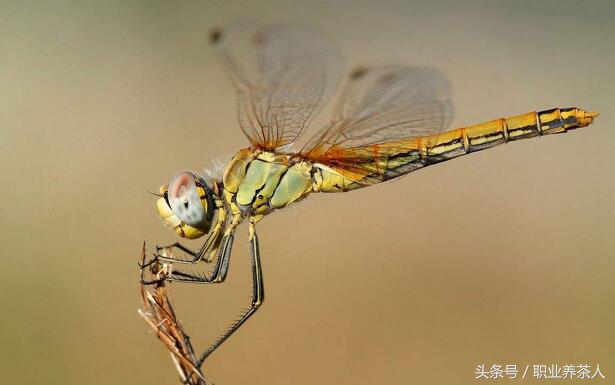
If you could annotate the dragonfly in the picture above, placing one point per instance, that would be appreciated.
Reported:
(388, 121)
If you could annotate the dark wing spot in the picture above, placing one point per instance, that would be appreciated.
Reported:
(215, 35)
(357, 73)
(388, 78)
(259, 39)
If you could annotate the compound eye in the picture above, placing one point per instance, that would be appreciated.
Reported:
(185, 200)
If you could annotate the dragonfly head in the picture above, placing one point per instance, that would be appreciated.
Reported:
(187, 205)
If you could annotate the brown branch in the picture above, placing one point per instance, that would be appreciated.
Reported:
(158, 313)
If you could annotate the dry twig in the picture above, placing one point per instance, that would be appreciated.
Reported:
(159, 314)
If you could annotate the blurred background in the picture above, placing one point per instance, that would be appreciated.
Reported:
(503, 257)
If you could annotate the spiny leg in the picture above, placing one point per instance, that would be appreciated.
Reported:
(216, 276)
(163, 253)
(222, 263)
(164, 272)
(219, 272)
(161, 265)
(258, 294)
(211, 244)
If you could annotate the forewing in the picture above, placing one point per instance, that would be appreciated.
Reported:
(283, 75)
(384, 107)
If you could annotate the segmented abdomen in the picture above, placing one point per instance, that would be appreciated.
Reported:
(378, 163)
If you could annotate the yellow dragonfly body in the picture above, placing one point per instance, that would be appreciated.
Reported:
(389, 121)
(257, 182)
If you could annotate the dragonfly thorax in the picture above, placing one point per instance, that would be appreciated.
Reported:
(257, 182)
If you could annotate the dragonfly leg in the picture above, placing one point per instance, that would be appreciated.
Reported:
(206, 252)
(258, 295)
(164, 271)
(143, 264)
(163, 253)
(222, 263)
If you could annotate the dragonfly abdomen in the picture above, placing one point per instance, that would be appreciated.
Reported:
(394, 159)
(482, 136)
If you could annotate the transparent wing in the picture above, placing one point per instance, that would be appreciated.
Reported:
(283, 75)
(384, 107)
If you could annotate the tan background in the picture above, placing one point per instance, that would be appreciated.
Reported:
(502, 257)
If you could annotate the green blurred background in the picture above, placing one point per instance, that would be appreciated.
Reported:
(502, 257)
